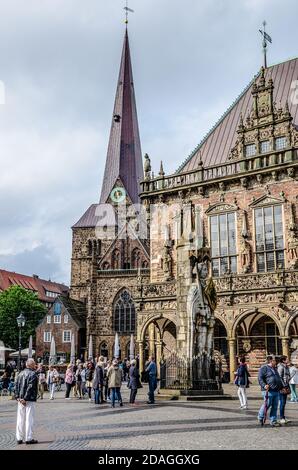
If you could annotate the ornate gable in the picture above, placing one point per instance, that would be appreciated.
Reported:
(219, 207)
(264, 123)
(266, 200)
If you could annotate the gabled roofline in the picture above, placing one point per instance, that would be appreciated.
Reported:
(219, 121)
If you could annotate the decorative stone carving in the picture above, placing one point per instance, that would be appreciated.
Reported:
(292, 240)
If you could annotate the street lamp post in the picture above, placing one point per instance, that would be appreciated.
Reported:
(21, 320)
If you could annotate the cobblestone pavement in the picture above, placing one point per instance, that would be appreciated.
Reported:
(78, 424)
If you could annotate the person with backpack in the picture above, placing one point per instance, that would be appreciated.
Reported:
(284, 372)
(271, 384)
(242, 382)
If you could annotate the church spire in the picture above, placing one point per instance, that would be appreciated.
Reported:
(124, 156)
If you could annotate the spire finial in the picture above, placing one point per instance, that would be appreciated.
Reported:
(127, 10)
(266, 38)
(161, 171)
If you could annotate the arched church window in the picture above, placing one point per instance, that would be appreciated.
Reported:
(98, 247)
(124, 320)
(103, 350)
(136, 258)
(145, 264)
(116, 259)
(89, 247)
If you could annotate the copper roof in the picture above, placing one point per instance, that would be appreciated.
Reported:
(124, 156)
(216, 145)
(32, 283)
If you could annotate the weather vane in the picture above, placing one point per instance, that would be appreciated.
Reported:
(266, 38)
(127, 10)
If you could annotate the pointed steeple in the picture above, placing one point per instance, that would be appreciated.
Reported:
(124, 156)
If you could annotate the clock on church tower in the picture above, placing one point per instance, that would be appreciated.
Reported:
(118, 194)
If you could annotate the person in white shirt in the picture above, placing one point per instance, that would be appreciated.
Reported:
(52, 379)
(293, 382)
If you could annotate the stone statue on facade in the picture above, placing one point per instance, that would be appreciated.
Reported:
(245, 255)
(167, 262)
(203, 305)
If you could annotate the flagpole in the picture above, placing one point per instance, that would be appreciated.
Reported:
(265, 46)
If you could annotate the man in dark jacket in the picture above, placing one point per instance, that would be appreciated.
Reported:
(151, 369)
(271, 384)
(98, 381)
(26, 388)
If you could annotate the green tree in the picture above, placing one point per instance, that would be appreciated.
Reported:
(13, 301)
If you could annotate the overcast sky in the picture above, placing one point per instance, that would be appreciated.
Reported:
(59, 62)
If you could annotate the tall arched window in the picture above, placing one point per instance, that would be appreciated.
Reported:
(124, 314)
(136, 258)
(116, 259)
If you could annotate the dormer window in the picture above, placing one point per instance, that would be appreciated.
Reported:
(265, 146)
(250, 150)
(280, 143)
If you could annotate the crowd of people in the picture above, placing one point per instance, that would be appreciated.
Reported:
(101, 380)
(277, 379)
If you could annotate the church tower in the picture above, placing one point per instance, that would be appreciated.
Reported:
(107, 253)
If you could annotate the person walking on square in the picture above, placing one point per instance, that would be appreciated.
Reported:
(89, 378)
(52, 379)
(115, 381)
(98, 381)
(151, 370)
(105, 381)
(134, 381)
(26, 394)
(284, 373)
(41, 374)
(293, 382)
(270, 382)
(69, 380)
(242, 382)
(79, 381)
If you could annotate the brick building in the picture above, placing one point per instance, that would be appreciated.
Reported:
(65, 318)
(47, 291)
(236, 194)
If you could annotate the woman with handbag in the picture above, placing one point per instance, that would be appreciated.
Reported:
(284, 373)
(242, 382)
(134, 381)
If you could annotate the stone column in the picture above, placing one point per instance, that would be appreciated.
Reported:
(141, 356)
(285, 343)
(232, 357)
(158, 357)
(151, 340)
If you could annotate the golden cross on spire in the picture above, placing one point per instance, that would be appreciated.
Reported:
(127, 10)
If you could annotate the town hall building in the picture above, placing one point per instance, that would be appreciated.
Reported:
(235, 197)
